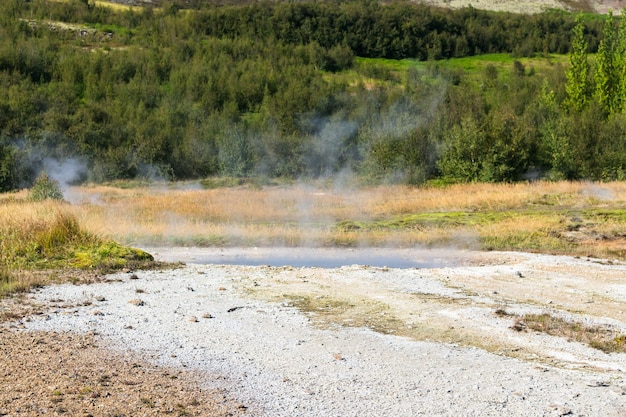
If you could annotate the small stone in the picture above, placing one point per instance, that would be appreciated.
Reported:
(134, 276)
(100, 298)
(518, 326)
(560, 410)
(137, 302)
(193, 319)
(207, 316)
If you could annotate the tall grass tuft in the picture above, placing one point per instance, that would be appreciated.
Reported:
(45, 236)
(63, 230)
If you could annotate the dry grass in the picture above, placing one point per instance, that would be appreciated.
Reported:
(565, 217)
(112, 5)
(598, 337)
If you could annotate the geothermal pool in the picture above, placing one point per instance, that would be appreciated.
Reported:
(314, 257)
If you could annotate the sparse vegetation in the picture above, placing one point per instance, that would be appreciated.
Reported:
(598, 337)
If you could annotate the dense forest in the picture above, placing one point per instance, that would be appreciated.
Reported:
(301, 90)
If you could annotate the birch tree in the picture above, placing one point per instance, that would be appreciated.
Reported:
(607, 80)
(577, 86)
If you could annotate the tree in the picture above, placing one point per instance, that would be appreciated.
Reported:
(9, 172)
(621, 61)
(577, 86)
(464, 151)
(606, 75)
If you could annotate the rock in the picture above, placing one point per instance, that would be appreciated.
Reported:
(193, 319)
(137, 302)
(519, 326)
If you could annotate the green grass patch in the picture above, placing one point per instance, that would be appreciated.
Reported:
(474, 68)
(391, 64)
(549, 229)
(605, 215)
(533, 241)
(29, 246)
(108, 256)
(426, 221)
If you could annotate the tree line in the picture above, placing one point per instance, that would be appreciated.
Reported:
(281, 90)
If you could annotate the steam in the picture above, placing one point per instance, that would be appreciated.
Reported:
(66, 172)
(327, 150)
(598, 192)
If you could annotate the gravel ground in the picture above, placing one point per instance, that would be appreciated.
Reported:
(238, 326)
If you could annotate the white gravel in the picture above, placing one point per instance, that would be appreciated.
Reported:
(270, 357)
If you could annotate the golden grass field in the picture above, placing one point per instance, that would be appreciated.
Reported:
(563, 217)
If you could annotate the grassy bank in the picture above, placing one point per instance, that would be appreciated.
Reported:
(43, 241)
(577, 218)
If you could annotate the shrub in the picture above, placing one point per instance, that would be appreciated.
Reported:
(45, 188)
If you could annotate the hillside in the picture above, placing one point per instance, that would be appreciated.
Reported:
(534, 6)
(516, 6)
(379, 93)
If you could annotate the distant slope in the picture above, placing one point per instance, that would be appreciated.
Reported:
(516, 6)
(534, 6)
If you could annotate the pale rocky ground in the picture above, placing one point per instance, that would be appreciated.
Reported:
(359, 340)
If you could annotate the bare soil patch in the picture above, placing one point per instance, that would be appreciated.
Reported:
(73, 374)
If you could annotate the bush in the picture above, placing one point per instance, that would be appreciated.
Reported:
(45, 188)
